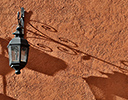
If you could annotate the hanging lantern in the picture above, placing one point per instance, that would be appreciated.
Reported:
(18, 47)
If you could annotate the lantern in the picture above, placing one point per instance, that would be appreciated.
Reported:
(18, 47)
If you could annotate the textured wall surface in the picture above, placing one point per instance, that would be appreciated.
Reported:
(78, 50)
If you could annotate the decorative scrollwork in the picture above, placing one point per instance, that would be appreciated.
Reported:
(49, 28)
(70, 43)
(67, 50)
(44, 47)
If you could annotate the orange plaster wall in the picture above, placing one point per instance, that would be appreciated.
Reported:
(78, 50)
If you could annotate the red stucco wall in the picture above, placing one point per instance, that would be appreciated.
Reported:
(78, 50)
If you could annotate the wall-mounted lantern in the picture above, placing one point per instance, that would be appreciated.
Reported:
(18, 47)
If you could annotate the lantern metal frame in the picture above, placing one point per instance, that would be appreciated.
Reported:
(18, 47)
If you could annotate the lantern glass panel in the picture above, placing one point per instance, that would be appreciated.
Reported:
(15, 53)
(24, 54)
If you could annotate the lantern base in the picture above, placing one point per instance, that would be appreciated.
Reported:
(16, 68)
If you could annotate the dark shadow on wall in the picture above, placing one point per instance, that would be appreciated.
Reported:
(4, 70)
(4, 62)
(107, 88)
(4, 97)
(44, 63)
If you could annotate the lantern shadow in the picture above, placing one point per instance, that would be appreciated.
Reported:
(108, 88)
(64, 45)
(4, 66)
(44, 63)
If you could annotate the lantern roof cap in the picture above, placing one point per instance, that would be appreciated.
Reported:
(18, 41)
